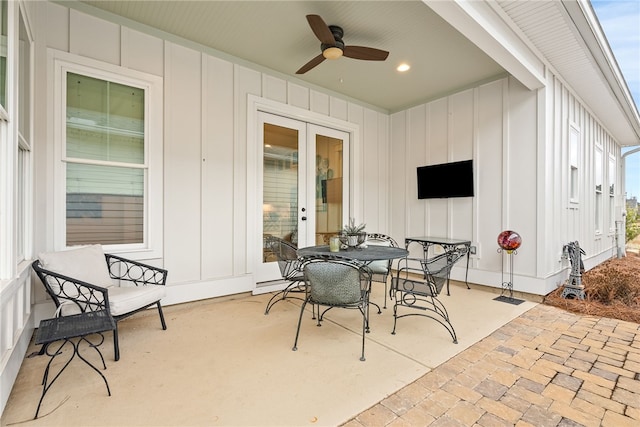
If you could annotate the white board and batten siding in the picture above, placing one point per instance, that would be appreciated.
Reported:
(206, 220)
(518, 142)
(517, 139)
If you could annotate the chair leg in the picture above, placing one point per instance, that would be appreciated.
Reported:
(282, 295)
(395, 312)
(116, 346)
(295, 343)
(379, 310)
(362, 310)
(164, 325)
(365, 327)
(385, 294)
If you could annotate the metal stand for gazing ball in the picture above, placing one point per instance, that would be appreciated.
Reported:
(507, 286)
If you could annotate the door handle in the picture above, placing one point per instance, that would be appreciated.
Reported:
(304, 218)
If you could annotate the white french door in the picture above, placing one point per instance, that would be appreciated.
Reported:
(302, 195)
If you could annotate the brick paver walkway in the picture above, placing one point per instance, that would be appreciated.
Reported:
(547, 367)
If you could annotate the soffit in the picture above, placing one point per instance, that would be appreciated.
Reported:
(567, 41)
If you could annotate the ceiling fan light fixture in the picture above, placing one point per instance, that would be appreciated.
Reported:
(403, 67)
(332, 52)
(332, 46)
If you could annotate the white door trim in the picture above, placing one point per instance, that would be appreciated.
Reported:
(254, 105)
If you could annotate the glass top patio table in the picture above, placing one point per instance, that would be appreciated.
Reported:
(368, 254)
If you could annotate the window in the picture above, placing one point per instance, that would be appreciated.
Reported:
(598, 184)
(23, 165)
(108, 186)
(3, 53)
(105, 162)
(574, 139)
(612, 193)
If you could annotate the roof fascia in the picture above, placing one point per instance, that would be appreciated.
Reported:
(479, 22)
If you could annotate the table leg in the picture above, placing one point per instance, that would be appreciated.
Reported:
(449, 260)
(466, 273)
(76, 351)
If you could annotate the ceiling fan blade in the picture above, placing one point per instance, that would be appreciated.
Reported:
(321, 30)
(366, 53)
(309, 65)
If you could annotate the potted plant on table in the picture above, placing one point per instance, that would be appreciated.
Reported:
(353, 235)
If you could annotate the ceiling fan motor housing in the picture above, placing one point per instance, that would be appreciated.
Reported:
(336, 31)
(339, 44)
(337, 35)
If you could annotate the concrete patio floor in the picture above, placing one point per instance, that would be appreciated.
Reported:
(224, 363)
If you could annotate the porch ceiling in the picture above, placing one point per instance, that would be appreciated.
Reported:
(275, 35)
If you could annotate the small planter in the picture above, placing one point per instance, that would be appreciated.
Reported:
(353, 235)
(353, 240)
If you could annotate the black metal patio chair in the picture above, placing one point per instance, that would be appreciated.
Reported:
(381, 270)
(334, 283)
(290, 269)
(416, 287)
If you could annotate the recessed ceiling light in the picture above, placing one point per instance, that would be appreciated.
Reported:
(403, 67)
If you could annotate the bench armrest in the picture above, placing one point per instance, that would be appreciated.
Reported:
(135, 272)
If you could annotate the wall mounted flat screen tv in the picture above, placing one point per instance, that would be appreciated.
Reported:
(446, 180)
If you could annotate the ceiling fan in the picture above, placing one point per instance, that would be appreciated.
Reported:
(333, 47)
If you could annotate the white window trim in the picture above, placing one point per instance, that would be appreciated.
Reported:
(598, 173)
(8, 148)
(26, 77)
(574, 162)
(58, 64)
(611, 169)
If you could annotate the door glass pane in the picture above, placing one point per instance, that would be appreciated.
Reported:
(329, 166)
(280, 184)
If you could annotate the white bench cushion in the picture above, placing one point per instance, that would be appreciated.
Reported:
(125, 299)
(87, 264)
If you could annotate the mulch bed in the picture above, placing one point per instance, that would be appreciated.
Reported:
(612, 290)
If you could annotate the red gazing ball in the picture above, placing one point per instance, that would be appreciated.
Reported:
(509, 240)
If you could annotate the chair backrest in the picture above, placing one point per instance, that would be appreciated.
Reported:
(286, 255)
(381, 239)
(87, 263)
(377, 239)
(439, 267)
(336, 282)
(77, 279)
(70, 295)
